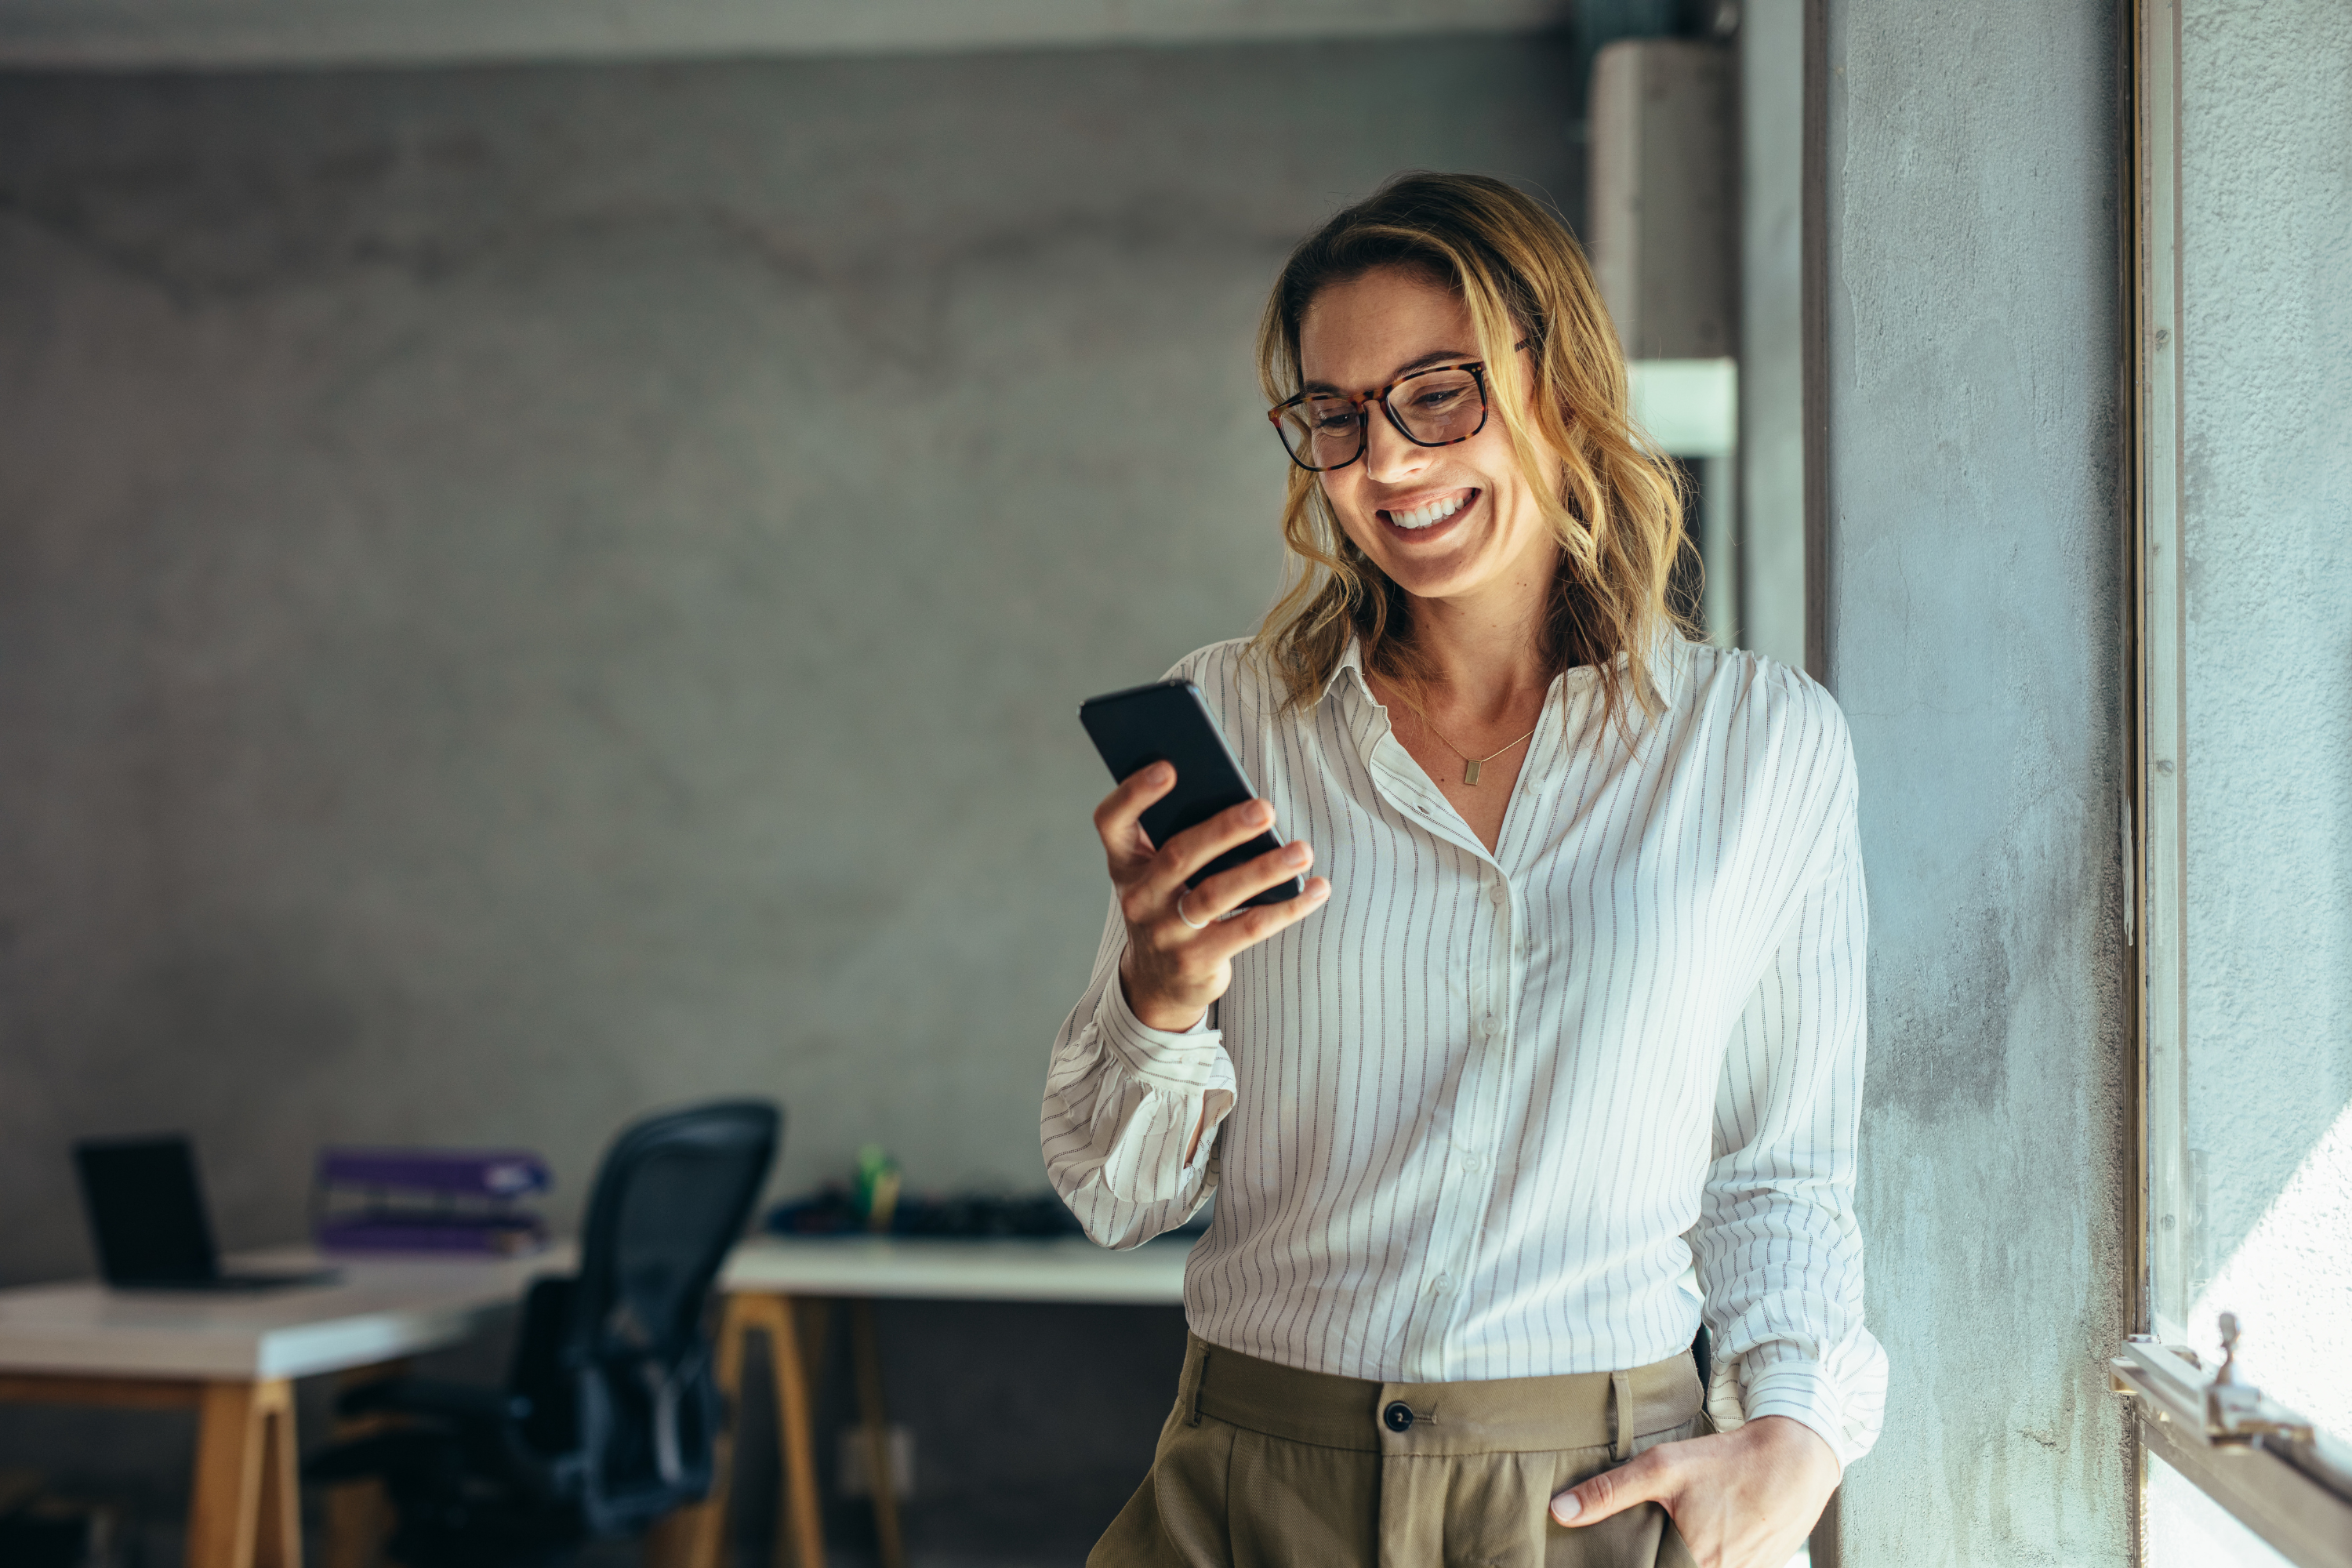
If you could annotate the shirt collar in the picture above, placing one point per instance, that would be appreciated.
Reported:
(1351, 662)
(1669, 660)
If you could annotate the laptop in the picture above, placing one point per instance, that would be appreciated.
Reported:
(147, 1221)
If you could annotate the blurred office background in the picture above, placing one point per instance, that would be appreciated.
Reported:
(547, 575)
(548, 548)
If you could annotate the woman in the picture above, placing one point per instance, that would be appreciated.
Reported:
(1576, 1005)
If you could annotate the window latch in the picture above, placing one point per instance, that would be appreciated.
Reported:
(2219, 1411)
(2238, 1412)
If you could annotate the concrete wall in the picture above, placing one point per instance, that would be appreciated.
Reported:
(1771, 575)
(1975, 638)
(138, 34)
(528, 596)
(2266, 554)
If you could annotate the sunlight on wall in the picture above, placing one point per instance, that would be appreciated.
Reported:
(2286, 1283)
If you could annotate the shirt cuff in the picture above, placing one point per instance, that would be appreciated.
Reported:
(1190, 1063)
(1788, 1385)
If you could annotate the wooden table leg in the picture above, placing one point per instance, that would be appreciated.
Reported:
(696, 1537)
(800, 1525)
(867, 1352)
(359, 1513)
(245, 1511)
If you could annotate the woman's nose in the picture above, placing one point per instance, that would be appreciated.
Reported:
(1388, 456)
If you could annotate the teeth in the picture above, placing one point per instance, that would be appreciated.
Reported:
(1422, 517)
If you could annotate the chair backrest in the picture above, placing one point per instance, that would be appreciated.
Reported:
(672, 1197)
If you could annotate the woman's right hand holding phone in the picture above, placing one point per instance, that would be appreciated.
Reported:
(1179, 954)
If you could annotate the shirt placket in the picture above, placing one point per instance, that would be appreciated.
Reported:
(1466, 1184)
(1471, 1122)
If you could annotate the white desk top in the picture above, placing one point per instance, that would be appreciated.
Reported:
(387, 1307)
(998, 1269)
(382, 1307)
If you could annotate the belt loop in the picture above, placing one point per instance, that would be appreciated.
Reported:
(1200, 1370)
(1621, 1416)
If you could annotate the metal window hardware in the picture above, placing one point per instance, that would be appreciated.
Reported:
(2219, 1411)
(2289, 1484)
(2237, 1411)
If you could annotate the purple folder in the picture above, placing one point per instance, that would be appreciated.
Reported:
(504, 1174)
(429, 1200)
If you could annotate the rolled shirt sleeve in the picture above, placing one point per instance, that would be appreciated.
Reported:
(1778, 1251)
(1122, 1100)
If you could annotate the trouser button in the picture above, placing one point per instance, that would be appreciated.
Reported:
(1398, 1417)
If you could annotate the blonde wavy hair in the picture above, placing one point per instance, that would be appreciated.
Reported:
(1613, 501)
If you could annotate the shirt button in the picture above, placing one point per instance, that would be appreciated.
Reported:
(1473, 1162)
(1398, 1417)
(1442, 1283)
(1499, 893)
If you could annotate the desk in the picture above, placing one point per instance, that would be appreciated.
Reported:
(764, 1277)
(232, 1358)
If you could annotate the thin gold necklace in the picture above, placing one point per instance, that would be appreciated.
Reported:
(1470, 765)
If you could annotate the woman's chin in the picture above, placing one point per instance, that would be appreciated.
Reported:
(1447, 574)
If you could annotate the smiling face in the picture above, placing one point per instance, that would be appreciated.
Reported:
(1456, 523)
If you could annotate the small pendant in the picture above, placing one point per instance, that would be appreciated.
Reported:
(1470, 770)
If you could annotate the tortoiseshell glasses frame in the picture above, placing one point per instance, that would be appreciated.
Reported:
(1288, 422)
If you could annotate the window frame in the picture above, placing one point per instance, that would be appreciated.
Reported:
(2291, 1486)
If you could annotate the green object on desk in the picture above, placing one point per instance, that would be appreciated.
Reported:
(877, 1186)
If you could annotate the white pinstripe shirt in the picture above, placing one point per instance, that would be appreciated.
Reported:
(1475, 1118)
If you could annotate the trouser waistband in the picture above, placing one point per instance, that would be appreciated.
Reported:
(1497, 1416)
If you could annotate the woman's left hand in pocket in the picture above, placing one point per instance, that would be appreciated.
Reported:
(1741, 1499)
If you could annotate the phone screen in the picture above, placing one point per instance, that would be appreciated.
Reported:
(1168, 721)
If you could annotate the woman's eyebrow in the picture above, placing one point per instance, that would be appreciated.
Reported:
(1436, 356)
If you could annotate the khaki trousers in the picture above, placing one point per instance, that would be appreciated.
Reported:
(1263, 1466)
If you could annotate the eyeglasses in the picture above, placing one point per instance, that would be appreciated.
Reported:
(1435, 407)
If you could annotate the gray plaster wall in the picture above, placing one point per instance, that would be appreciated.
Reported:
(2266, 554)
(1975, 608)
(532, 595)
(1771, 565)
(528, 596)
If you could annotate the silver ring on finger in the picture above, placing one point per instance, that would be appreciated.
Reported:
(1188, 919)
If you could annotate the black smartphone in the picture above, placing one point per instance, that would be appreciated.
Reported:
(1168, 722)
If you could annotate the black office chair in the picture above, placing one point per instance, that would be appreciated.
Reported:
(607, 1419)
